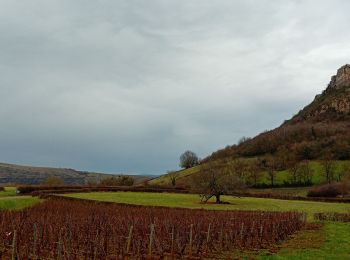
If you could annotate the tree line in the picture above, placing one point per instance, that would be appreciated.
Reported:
(216, 178)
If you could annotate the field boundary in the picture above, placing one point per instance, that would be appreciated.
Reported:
(41, 191)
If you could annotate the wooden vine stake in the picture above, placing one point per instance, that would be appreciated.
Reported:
(191, 235)
(34, 256)
(172, 243)
(95, 253)
(150, 241)
(207, 241)
(14, 246)
(221, 237)
(128, 244)
(242, 228)
(59, 247)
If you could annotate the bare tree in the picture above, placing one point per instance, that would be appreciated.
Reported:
(345, 185)
(239, 167)
(344, 171)
(294, 172)
(306, 172)
(188, 159)
(328, 169)
(215, 181)
(271, 166)
(173, 180)
(172, 177)
(254, 172)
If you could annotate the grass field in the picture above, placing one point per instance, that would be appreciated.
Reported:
(193, 201)
(9, 191)
(9, 200)
(332, 241)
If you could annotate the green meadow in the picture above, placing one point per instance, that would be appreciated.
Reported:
(193, 201)
(9, 200)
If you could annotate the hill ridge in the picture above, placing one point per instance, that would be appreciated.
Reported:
(27, 174)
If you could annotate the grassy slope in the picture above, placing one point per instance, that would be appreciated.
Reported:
(192, 201)
(9, 200)
(281, 176)
(180, 175)
(331, 242)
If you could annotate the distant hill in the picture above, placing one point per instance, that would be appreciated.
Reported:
(18, 174)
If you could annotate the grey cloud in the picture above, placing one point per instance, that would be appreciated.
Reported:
(126, 86)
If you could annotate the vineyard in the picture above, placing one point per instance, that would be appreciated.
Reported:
(332, 216)
(62, 229)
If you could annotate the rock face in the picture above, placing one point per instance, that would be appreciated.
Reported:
(332, 104)
(342, 79)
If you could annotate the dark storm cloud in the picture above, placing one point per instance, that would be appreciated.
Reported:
(126, 86)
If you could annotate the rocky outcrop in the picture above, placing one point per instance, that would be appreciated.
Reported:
(342, 79)
(341, 106)
(332, 104)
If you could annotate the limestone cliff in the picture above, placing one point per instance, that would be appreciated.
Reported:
(332, 104)
(342, 79)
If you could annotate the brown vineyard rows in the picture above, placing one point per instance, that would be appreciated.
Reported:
(61, 229)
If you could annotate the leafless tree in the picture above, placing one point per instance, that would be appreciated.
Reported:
(239, 167)
(344, 171)
(294, 171)
(271, 166)
(254, 172)
(306, 172)
(214, 180)
(328, 168)
(188, 159)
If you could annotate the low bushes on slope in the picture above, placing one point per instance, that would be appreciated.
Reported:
(37, 190)
(330, 190)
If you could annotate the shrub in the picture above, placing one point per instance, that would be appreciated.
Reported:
(332, 216)
(2, 189)
(37, 190)
(330, 190)
(53, 181)
(118, 181)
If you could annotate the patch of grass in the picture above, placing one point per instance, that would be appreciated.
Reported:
(9, 191)
(10, 201)
(19, 202)
(331, 242)
(180, 175)
(193, 201)
(294, 191)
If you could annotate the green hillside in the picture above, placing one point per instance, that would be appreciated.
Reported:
(183, 177)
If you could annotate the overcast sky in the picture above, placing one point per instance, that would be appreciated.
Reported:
(127, 86)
